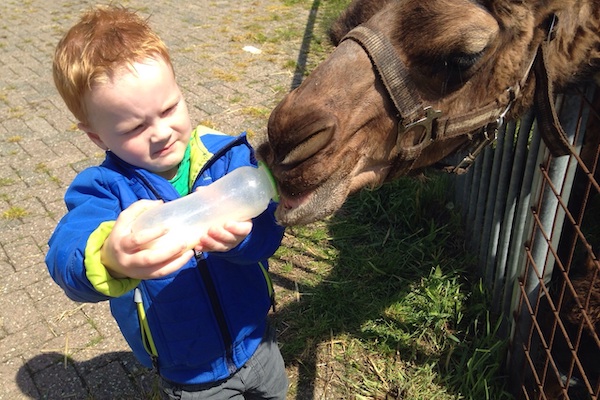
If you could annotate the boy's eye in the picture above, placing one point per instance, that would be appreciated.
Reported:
(136, 129)
(169, 110)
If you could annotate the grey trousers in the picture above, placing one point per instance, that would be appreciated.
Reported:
(263, 377)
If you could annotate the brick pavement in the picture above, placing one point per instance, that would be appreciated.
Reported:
(51, 347)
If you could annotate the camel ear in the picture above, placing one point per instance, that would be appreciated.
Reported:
(94, 137)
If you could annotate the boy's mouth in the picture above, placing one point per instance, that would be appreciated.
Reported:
(164, 150)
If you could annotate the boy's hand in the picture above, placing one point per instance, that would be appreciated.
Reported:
(224, 238)
(125, 254)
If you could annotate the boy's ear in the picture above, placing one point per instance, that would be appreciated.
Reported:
(93, 136)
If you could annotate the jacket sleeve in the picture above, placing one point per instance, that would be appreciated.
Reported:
(90, 203)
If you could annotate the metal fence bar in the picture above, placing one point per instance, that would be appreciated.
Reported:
(480, 200)
(493, 175)
(561, 171)
(500, 203)
(486, 206)
(497, 197)
(512, 227)
(537, 267)
(472, 192)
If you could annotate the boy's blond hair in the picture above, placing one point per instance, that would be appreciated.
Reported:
(105, 40)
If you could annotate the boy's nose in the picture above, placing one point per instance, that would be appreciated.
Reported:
(162, 132)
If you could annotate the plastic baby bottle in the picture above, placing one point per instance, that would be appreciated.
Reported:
(242, 194)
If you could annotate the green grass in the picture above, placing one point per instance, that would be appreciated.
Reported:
(383, 299)
(14, 212)
(388, 301)
(6, 182)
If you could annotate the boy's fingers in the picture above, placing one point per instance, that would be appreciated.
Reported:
(170, 266)
(137, 208)
(216, 238)
(144, 237)
(239, 228)
(158, 255)
(158, 266)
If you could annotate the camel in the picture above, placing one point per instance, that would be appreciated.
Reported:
(411, 82)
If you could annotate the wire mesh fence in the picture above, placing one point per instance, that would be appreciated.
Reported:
(534, 220)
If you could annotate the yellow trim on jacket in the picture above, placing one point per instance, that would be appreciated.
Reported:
(96, 272)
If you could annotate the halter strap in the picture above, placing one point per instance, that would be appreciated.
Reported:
(414, 113)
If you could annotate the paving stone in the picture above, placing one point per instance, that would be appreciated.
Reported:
(12, 321)
(43, 291)
(20, 280)
(60, 382)
(32, 337)
(41, 151)
(111, 382)
(16, 381)
(24, 253)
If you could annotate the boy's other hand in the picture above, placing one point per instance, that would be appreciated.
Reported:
(126, 254)
(224, 238)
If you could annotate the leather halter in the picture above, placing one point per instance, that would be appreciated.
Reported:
(415, 114)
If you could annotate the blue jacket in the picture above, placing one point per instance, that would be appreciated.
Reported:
(206, 319)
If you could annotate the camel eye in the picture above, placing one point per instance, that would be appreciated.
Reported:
(463, 61)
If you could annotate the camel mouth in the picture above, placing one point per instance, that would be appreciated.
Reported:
(293, 210)
(304, 205)
(313, 204)
(290, 202)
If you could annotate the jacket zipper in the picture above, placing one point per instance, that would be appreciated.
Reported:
(218, 311)
(207, 278)
(202, 267)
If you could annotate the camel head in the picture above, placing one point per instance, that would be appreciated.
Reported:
(411, 82)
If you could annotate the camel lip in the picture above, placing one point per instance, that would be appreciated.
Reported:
(296, 210)
(290, 202)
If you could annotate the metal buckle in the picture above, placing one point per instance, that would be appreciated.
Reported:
(426, 122)
(469, 159)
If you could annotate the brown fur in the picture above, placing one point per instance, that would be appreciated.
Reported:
(336, 133)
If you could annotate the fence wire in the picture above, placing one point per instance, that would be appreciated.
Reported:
(534, 223)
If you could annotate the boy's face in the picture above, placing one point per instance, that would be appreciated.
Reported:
(141, 116)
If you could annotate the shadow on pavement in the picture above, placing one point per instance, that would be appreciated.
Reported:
(109, 376)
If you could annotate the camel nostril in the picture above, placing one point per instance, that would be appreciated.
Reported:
(309, 147)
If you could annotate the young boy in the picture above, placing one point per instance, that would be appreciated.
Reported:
(197, 312)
